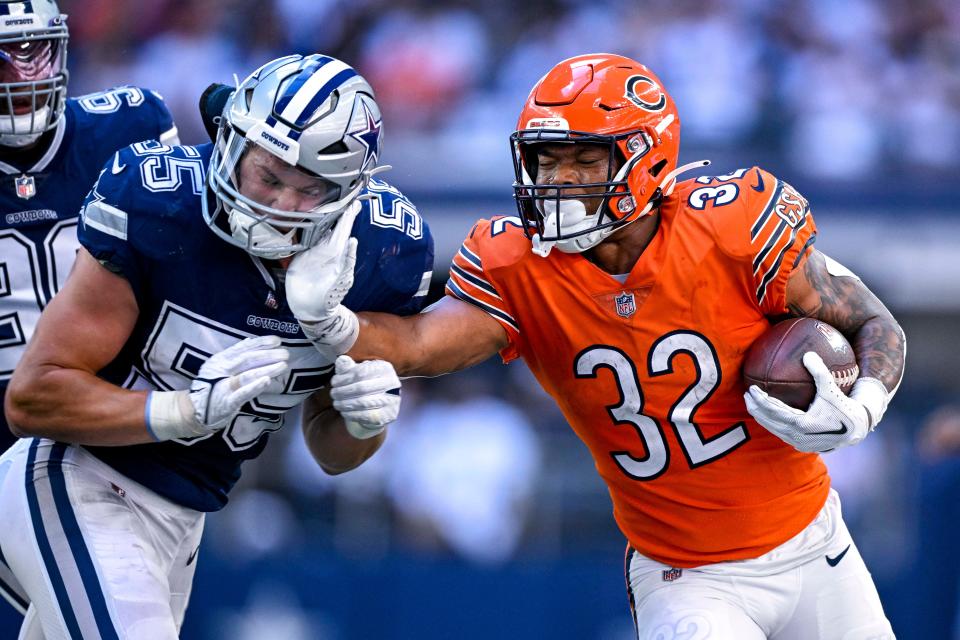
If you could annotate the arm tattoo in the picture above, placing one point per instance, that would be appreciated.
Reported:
(847, 304)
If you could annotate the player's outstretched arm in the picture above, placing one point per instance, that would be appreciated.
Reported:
(826, 290)
(55, 392)
(448, 336)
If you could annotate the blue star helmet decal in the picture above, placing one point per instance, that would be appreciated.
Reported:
(367, 133)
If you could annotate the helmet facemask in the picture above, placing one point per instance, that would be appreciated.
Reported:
(605, 99)
(258, 228)
(554, 214)
(33, 80)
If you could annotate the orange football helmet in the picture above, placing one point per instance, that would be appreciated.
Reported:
(602, 99)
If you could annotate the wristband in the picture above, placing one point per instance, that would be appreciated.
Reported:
(873, 395)
(170, 415)
(335, 335)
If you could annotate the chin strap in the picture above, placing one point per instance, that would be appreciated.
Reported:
(669, 182)
(369, 175)
(379, 169)
(541, 247)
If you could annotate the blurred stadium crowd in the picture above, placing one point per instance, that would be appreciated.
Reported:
(481, 469)
(876, 78)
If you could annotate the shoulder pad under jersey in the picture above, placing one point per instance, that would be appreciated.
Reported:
(123, 115)
(148, 198)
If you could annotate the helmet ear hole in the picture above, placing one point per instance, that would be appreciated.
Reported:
(657, 168)
(337, 147)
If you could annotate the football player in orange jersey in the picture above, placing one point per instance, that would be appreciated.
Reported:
(633, 298)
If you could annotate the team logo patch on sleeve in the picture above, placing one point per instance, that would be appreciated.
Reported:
(626, 304)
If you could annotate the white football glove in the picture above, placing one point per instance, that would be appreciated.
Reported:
(318, 280)
(225, 382)
(833, 420)
(366, 394)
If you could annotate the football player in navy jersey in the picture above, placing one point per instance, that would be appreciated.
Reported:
(171, 353)
(51, 151)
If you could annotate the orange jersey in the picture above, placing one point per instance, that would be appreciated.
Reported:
(647, 372)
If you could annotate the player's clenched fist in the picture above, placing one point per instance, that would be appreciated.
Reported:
(318, 280)
(227, 381)
(366, 394)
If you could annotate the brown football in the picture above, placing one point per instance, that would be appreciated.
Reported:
(775, 361)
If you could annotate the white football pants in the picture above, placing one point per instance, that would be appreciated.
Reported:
(815, 586)
(96, 555)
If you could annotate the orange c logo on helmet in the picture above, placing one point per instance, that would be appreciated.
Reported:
(633, 96)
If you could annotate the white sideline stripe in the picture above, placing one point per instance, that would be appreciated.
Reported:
(107, 230)
(466, 277)
(10, 590)
(494, 312)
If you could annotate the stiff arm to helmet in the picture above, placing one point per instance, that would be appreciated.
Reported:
(316, 283)
(314, 113)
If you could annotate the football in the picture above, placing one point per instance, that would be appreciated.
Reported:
(775, 361)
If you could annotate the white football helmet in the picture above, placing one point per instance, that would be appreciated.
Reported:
(315, 113)
(33, 73)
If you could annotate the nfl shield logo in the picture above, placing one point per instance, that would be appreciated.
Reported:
(26, 187)
(669, 575)
(626, 305)
(271, 301)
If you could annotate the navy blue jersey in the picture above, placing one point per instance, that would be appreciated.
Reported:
(198, 294)
(39, 205)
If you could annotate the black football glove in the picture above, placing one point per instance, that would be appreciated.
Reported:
(212, 102)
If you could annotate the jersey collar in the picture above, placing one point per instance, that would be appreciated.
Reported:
(46, 158)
